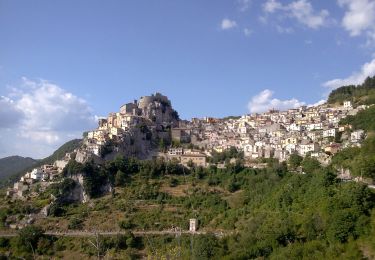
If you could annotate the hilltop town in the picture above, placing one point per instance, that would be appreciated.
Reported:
(150, 128)
(274, 134)
(144, 171)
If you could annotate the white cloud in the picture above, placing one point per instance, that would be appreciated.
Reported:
(44, 117)
(247, 32)
(359, 16)
(271, 6)
(10, 115)
(227, 24)
(264, 101)
(286, 30)
(244, 5)
(367, 70)
(320, 102)
(301, 10)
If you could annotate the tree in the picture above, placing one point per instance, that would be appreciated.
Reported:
(162, 145)
(190, 164)
(205, 247)
(29, 237)
(310, 164)
(120, 178)
(342, 225)
(295, 161)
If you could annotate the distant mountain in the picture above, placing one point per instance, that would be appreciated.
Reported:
(14, 164)
(10, 174)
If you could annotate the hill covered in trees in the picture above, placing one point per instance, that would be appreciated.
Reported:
(363, 94)
(13, 171)
(14, 164)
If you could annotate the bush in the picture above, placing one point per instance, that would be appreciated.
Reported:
(4, 242)
(173, 182)
(44, 246)
(125, 224)
(75, 223)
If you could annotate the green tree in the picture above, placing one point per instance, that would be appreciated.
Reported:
(295, 161)
(205, 247)
(120, 178)
(310, 164)
(29, 237)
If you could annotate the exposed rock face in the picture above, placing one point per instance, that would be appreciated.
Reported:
(78, 193)
(158, 109)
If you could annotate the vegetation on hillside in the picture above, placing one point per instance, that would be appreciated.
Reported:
(362, 120)
(360, 161)
(14, 164)
(363, 94)
(267, 213)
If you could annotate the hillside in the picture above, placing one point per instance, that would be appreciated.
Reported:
(262, 213)
(14, 164)
(363, 94)
(58, 154)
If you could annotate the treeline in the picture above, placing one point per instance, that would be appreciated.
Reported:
(363, 94)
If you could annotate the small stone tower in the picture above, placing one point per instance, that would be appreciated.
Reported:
(193, 225)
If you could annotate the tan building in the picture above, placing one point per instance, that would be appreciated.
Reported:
(197, 159)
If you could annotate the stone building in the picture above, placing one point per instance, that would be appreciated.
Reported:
(193, 225)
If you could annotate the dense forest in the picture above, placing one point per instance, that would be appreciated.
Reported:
(363, 94)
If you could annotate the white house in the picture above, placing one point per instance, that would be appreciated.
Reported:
(357, 135)
(348, 104)
(309, 147)
(329, 132)
(36, 174)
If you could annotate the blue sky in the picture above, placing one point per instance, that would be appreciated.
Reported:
(213, 58)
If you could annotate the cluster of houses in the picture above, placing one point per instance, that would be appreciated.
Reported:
(275, 134)
(43, 175)
(136, 121)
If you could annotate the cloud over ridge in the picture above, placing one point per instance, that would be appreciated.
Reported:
(264, 101)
